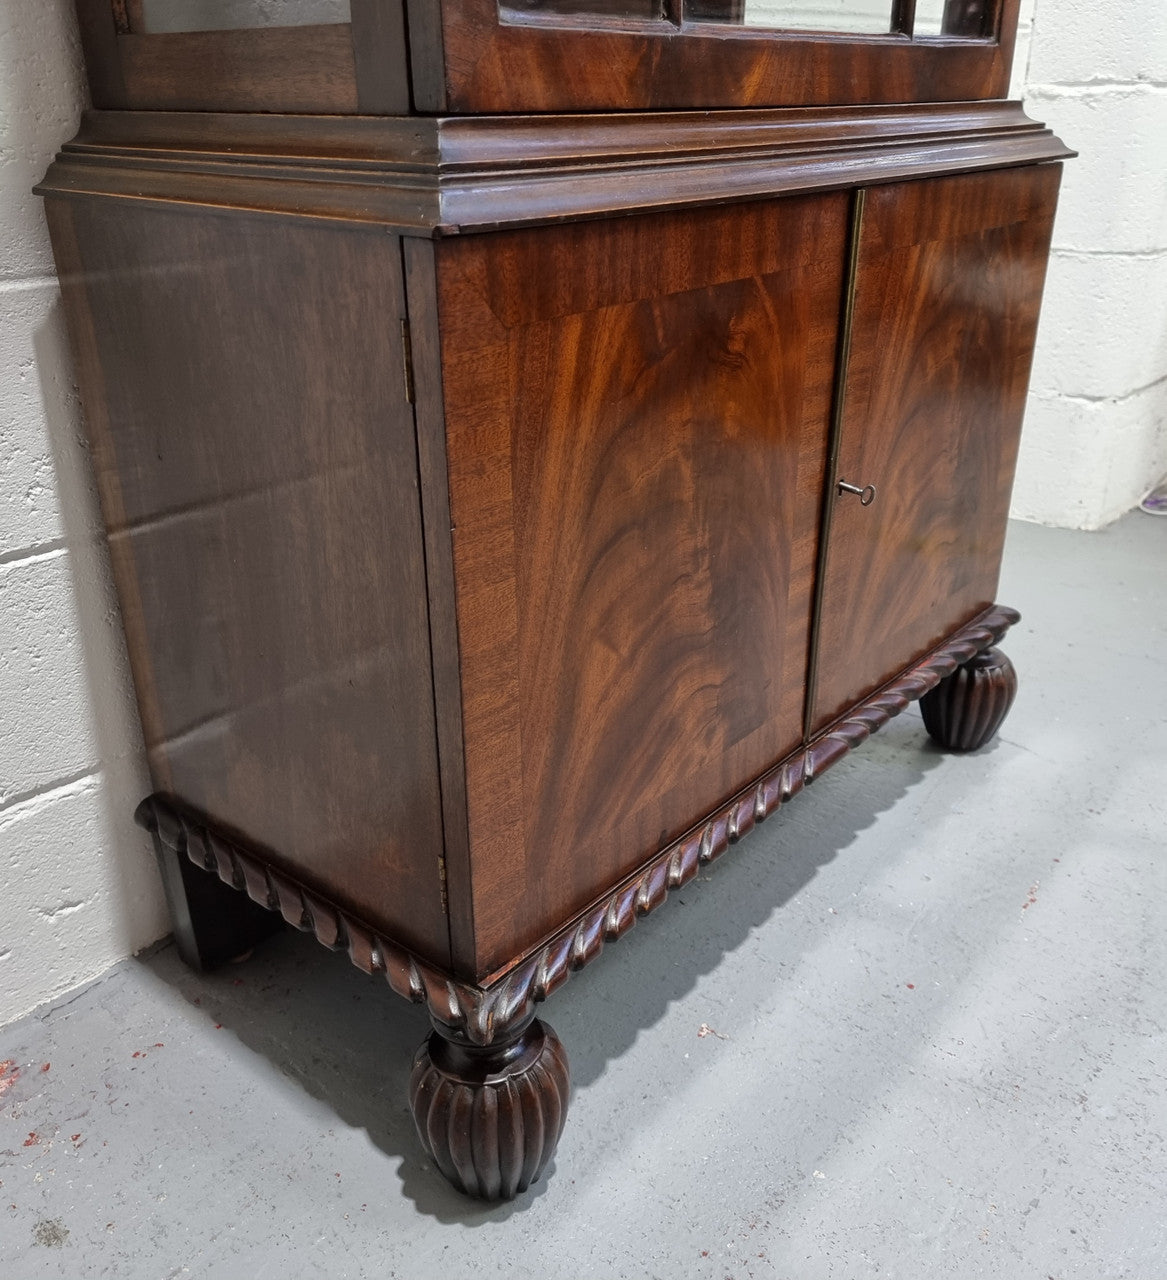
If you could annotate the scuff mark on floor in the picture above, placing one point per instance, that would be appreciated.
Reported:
(51, 1233)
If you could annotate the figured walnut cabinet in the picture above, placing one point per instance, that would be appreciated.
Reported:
(508, 512)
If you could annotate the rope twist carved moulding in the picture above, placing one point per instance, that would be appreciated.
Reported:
(480, 1015)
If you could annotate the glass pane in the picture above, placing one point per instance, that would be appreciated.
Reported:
(153, 16)
(872, 17)
(588, 8)
(953, 18)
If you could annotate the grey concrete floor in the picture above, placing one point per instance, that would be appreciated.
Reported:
(939, 992)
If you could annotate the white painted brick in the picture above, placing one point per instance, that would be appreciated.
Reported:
(1019, 74)
(41, 94)
(1094, 435)
(80, 893)
(1058, 464)
(1114, 195)
(66, 703)
(1103, 329)
(49, 732)
(42, 454)
(1081, 41)
(1085, 462)
(1137, 456)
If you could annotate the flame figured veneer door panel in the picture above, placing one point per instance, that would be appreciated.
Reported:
(637, 417)
(947, 291)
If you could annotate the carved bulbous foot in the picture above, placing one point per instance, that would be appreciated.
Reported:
(966, 708)
(490, 1117)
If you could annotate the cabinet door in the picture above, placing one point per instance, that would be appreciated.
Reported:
(947, 289)
(636, 420)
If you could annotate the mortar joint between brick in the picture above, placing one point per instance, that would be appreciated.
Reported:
(1140, 255)
(27, 284)
(1115, 398)
(68, 784)
(1092, 88)
(18, 556)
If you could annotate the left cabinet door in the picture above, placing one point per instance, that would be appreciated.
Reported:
(636, 421)
(946, 296)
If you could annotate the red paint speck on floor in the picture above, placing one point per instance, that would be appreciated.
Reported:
(9, 1074)
(33, 1139)
(45, 1066)
(911, 986)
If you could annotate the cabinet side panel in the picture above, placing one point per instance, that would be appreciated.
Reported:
(382, 69)
(243, 385)
(272, 69)
(636, 415)
(99, 42)
(947, 294)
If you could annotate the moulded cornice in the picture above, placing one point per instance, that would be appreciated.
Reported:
(439, 176)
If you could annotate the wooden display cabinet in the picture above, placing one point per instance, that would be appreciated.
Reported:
(521, 480)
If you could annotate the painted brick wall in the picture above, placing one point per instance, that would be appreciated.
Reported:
(78, 890)
(1096, 429)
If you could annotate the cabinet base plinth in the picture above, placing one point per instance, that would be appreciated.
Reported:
(967, 708)
(490, 1116)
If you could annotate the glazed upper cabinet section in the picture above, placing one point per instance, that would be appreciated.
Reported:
(947, 291)
(589, 55)
(153, 17)
(960, 19)
(492, 56)
(325, 57)
(856, 16)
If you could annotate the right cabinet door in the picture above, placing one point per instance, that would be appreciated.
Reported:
(947, 287)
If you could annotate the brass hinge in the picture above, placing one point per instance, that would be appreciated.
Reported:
(407, 360)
